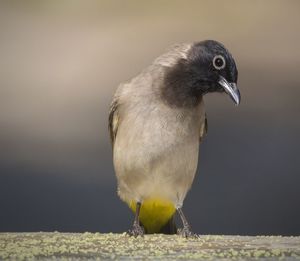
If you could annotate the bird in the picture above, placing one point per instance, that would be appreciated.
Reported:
(156, 122)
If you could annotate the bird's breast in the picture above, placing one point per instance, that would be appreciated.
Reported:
(157, 147)
(153, 131)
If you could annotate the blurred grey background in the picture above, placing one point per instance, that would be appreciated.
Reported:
(60, 63)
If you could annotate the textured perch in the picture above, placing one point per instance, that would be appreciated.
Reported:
(119, 246)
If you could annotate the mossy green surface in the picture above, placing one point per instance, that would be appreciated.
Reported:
(96, 246)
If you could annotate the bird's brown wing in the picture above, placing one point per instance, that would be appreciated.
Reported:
(113, 120)
(203, 129)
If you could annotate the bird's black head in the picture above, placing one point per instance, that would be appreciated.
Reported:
(208, 67)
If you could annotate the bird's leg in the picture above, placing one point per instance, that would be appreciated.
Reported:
(137, 229)
(186, 230)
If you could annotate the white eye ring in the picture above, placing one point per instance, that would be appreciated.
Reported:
(219, 62)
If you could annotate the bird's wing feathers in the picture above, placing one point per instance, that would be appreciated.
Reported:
(203, 128)
(113, 120)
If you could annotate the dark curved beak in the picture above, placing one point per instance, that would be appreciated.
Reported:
(231, 89)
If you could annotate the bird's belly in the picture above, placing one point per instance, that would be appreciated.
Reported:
(162, 171)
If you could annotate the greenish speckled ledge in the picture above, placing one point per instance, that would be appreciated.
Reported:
(97, 246)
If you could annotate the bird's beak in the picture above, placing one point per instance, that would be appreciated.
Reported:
(231, 89)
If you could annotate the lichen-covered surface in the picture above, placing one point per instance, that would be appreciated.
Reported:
(98, 246)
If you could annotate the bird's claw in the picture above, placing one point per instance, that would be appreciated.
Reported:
(186, 232)
(136, 230)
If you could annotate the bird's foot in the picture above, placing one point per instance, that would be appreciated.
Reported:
(137, 230)
(186, 232)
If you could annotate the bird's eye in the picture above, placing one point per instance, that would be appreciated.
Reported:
(219, 62)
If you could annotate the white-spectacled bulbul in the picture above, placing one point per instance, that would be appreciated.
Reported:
(157, 121)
